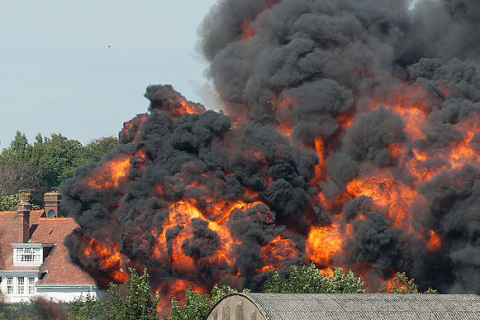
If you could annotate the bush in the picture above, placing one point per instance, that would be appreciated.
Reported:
(307, 279)
(138, 304)
(85, 308)
(340, 282)
(401, 284)
(198, 304)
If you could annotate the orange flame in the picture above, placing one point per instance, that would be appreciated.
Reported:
(248, 32)
(434, 242)
(109, 174)
(276, 251)
(387, 193)
(282, 105)
(323, 243)
(108, 257)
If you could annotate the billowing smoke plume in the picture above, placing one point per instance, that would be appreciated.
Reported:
(349, 137)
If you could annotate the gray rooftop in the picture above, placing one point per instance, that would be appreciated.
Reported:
(280, 306)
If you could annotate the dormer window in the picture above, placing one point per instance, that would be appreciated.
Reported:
(28, 254)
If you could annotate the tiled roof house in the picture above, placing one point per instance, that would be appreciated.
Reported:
(33, 259)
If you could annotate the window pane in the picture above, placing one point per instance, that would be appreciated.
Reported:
(28, 256)
(9, 285)
(31, 285)
(18, 254)
(21, 285)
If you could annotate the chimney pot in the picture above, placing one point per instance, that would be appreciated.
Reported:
(52, 204)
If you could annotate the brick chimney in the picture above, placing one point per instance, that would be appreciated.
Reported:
(23, 209)
(52, 204)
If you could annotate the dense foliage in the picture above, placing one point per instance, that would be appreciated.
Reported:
(137, 303)
(402, 284)
(9, 202)
(134, 299)
(45, 165)
(198, 304)
(307, 279)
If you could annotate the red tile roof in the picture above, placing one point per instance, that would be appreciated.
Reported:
(11, 232)
(60, 270)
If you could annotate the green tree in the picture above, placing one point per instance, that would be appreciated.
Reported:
(340, 282)
(57, 158)
(18, 152)
(39, 309)
(403, 285)
(198, 304)
(307, 279)
(97, 148)
(17, 170)
(303, 279)
(45, 165)
(85, 308)
(137, 303)
(9, 203)
(17, 176)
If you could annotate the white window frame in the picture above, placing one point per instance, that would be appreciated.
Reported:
(31, 285)
(26, 254)
(10, 285)
(19, 284)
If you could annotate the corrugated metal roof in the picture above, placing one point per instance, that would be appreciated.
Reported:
(284, 306)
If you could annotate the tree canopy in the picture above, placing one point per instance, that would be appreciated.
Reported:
(198, 304)
(402, 284)
(47, 163)
(307, 279)
(137, 303)
(134, 299)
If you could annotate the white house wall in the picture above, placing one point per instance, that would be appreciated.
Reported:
(67, 293)
(15, 296)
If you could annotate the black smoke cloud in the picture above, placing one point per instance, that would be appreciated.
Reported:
(199, 157)
(331, 70)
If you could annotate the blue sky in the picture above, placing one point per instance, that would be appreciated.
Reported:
(80, 67)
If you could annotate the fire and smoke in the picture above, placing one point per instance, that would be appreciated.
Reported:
(349, 138)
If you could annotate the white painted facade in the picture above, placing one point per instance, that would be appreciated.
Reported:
(67, 293)
(21, 285)
(18, 285)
